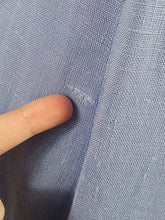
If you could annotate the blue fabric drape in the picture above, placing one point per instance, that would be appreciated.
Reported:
(107, 162)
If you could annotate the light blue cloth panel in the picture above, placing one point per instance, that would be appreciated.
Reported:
(108, 56)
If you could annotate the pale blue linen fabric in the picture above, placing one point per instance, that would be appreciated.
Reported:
(107, 162)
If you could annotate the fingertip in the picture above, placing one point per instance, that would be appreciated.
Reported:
(59, 107)
(47, 112)
(66, 107)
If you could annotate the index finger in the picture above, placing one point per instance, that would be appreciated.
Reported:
(37, 116)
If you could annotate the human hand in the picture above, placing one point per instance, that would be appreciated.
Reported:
(35, 117)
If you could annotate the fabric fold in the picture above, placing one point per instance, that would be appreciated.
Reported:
(121, 177)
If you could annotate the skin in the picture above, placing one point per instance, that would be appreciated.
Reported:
(31, 119)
